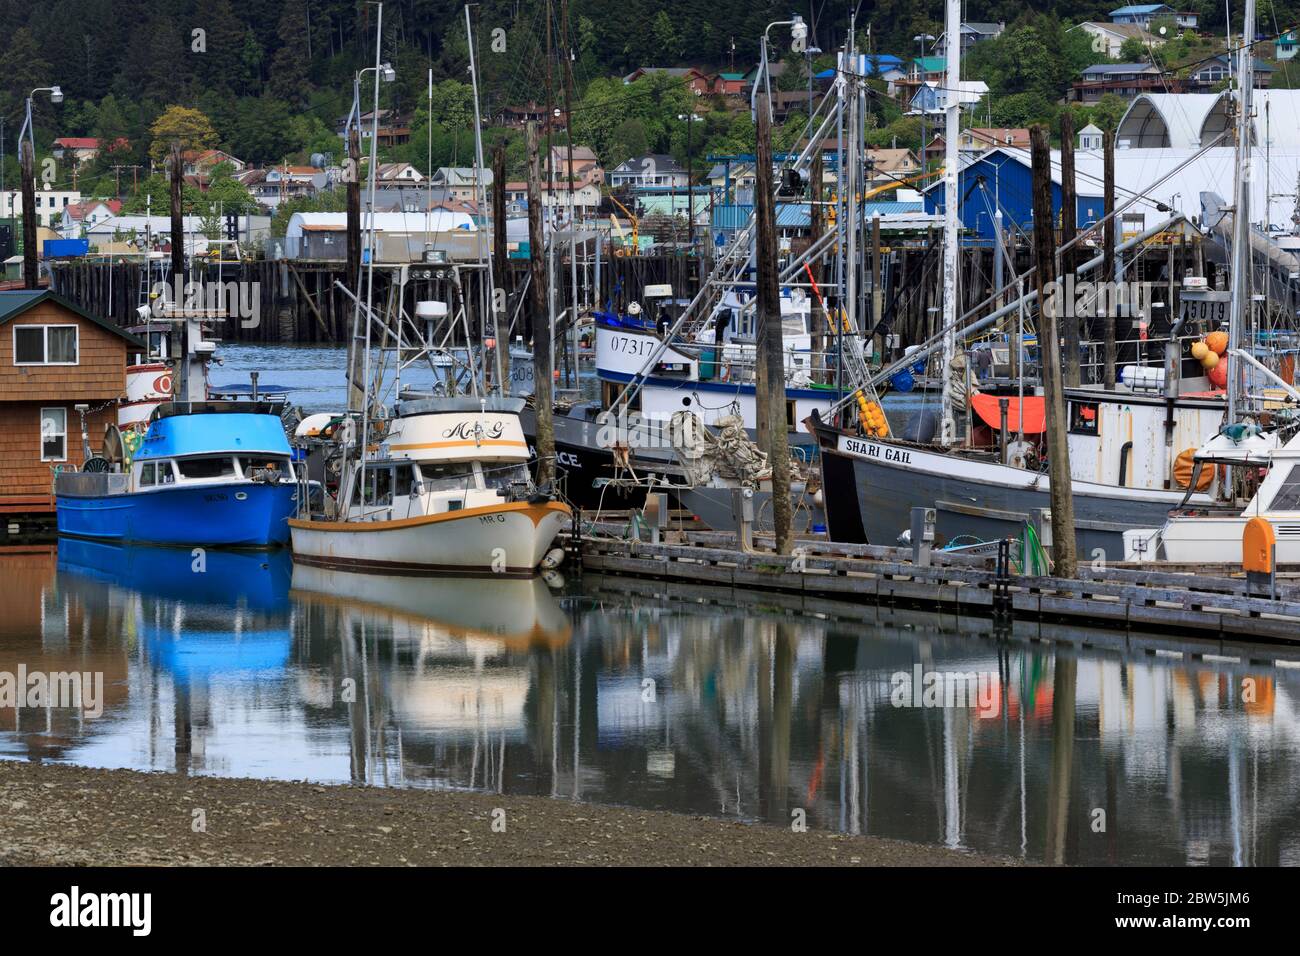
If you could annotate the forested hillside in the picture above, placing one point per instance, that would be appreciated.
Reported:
(273, 77)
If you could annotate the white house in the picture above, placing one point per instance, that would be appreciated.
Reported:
(50, 203)
(586, 197)
(85, 215)
(1108, 38)
(652, 170)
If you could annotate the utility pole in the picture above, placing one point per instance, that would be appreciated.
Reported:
(951, 261)
(1241, 306)
(543, 409)
(499, 272)
(1058, 449)
(771, 347)
(1069, 210)
(356, 358)
(180, 351)
(31, 269)
(1108, 256)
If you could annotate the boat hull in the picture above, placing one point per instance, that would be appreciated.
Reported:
(1212, 540)
(510, 538)
(243, 515)
(871, 486)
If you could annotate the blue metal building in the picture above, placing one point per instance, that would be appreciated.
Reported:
(1002, 179)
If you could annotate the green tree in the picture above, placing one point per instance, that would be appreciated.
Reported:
(180, 123)
(291, 65)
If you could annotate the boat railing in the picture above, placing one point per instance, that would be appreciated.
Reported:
(90, 484)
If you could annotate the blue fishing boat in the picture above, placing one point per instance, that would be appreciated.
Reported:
(208, 474)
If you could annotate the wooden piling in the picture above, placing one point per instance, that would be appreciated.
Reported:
(31, 269)
(1069, 211)
(1058, 449)
(1108, 256)
(771, 350)
(542, 406)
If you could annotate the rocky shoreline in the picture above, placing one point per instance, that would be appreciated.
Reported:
(60, 815)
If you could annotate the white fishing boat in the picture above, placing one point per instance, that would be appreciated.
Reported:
(443, 489)
(1192, 536)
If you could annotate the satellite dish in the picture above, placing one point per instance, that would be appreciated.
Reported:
(114, 450)
(319, 160)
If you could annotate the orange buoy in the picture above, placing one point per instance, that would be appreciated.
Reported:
(1217, 342)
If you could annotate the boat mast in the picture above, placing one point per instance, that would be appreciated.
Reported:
(1240, 313)
(370, 267)
(481, 201)
(952, 104)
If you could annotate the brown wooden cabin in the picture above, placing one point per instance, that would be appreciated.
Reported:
(53, 356)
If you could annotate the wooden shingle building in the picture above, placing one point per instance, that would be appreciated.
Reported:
(54, 356)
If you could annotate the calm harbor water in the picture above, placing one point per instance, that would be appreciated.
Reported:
(614, 691)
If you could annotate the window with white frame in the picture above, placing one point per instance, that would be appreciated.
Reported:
(45, 344)
(54, 434)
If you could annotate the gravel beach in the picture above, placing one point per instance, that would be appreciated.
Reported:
(73, 816)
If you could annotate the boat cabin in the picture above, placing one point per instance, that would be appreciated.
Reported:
(439, 455)
(186, 445)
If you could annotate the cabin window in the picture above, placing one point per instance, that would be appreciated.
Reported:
(251, 465)
(1288, 496)
(54, 434)
(1083, 418)
(209, 466)
(450, 477)
(379, 486)
(45, 345)
(165, 474)
(146, 475)
(501, 477)
(403, 481)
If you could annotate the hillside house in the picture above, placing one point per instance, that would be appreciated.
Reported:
(53, 357)
(1125, 80)
(971, 33)
(1108, 38)
(649, 171)
(1143, 14)
(700, 83)
(50, 204)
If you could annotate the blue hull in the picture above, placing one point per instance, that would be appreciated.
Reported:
(246, 515)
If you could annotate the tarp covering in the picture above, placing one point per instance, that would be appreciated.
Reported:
(986, 406)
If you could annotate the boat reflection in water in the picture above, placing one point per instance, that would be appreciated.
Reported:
(687, 698)
(203, 622)
(444, 667)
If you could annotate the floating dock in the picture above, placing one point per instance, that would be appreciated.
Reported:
(1206, 603)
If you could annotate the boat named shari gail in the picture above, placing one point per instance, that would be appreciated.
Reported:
(443, 488)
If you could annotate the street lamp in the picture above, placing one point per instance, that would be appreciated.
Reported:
(56, 96)
(690, 119)
(798, 33)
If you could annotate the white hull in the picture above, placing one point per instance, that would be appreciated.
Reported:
(1204, 540)
(509, 538)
